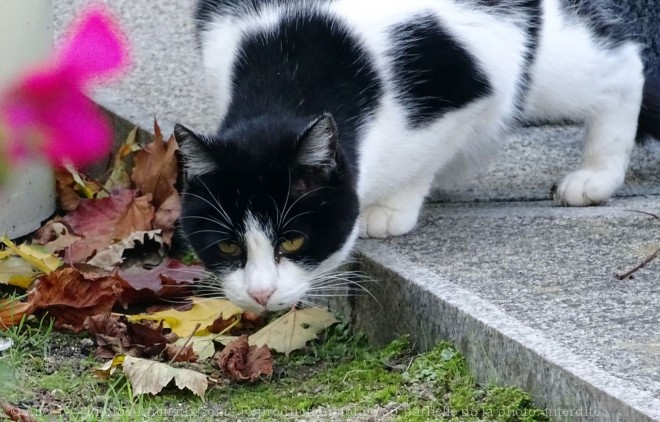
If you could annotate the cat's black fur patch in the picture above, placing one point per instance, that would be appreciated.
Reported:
(310, 65)
(433, 72)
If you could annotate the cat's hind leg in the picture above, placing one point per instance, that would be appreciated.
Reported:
(398, 213)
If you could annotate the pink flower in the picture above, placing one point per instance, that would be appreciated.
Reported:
(47, 110)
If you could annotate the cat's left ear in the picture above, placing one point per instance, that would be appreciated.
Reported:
(317, 145)
(197, 158)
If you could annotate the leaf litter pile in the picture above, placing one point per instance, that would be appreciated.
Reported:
(107, 254)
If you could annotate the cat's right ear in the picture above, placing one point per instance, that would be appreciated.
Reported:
(197, 158)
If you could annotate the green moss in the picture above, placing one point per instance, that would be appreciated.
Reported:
(339, 373)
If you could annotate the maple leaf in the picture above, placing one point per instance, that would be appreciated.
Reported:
(244, 363)
(150, 377)
(156, 168)
(293, 330)
(102, 221)
(70, 296)
(203, 312)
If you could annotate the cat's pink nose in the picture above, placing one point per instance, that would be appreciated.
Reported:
(261, 296)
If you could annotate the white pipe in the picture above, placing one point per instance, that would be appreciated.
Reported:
(26, 37)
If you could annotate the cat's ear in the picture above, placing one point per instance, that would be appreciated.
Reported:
(317, 145)
(197, 159)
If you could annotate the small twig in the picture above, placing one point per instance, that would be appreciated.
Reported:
(185, 343)
(640, 266)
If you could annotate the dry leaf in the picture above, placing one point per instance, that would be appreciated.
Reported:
(204, 346)
(116, 335)
(55, 236)
(203, 312)
(70, 296)
(167, 215)
(181, 353)
(150, 377)
(103, 221)
(113, 255)
(171, 279)
(73, 188)
(15, 271)
(156, 168)
(119, 178)
(244, 363)
(35, 255)
(110, 367)
(16, 414)
(12, 311)
(293, 330)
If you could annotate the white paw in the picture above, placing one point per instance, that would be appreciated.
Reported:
(588, 187)
(380, 222)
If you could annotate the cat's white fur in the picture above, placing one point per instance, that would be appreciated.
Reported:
(573, 77)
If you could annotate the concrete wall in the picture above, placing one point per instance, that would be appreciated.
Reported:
(643, 20)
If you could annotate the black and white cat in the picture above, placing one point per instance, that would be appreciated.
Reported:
(336, 115)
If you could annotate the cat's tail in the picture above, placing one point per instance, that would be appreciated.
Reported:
(649, 115)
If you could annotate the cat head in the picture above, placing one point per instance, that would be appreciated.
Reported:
(269, 206)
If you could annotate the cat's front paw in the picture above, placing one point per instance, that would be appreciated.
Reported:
(588, 187)
(380, 222)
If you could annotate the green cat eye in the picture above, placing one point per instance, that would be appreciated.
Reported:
(231, 249)
(292, 245)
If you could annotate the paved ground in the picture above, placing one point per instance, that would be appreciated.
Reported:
(497, 239)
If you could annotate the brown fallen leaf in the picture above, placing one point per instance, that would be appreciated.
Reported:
(55, 235)
(181, 353)
(72, 188)
(12, 311)
(155, 169)
(244, 363)
(116, 335)
(167, 215)
(150, 377)
(293, 330)
(16, 414)
(70, 296)
(103, 221)
(169, 280)
(119, 178)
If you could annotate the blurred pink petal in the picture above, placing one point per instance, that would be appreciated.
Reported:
(96, 46)
(48, 112)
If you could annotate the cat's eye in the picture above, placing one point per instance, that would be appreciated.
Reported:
(231, 249)
(292, 245)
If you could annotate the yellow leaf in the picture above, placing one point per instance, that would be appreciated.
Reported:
(110, 367)
(37, 256)
(15, 271)
(293, 330)
(81, 186)
(119, 177)
(150, 377)
(203, 311)
(204, 345)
